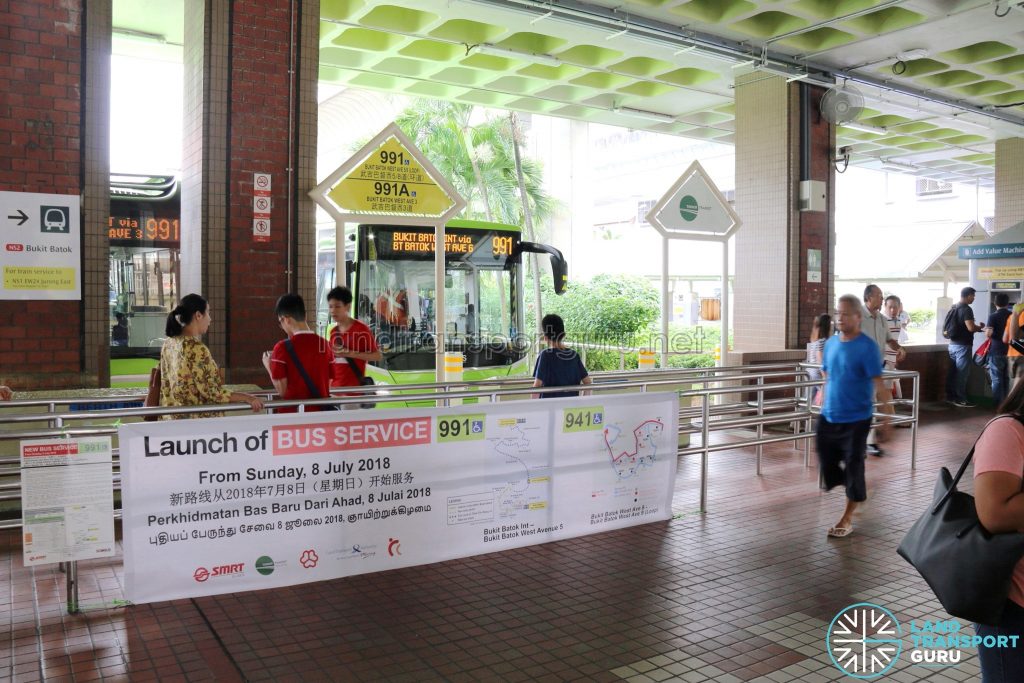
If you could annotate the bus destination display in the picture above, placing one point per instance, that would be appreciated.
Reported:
(139, 231)
(418, 244)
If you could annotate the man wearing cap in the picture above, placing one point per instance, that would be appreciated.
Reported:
(961, 339)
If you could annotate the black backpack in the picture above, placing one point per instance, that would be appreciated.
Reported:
(949, 324)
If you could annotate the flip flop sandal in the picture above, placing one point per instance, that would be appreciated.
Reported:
(839, 531)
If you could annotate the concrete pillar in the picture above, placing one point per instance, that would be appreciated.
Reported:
(54, 129)
(250, 107)
(774, 302)
(1009, 183)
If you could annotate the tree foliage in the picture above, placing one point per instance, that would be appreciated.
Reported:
(610, 309)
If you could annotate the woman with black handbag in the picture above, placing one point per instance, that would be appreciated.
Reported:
(999, 496)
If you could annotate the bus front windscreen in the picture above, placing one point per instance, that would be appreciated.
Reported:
(396, 294)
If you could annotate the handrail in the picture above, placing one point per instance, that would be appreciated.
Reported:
(701, 410)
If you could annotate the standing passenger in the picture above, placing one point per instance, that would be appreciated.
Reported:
(852, 380)
(875, 326)
(961, 339)
(299, 366)
(558, 366)
(352, 340)
(995, 329)
(188, 374)
(819, 335)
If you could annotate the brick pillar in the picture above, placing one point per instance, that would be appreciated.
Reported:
(246, 113)
(774, 303)
(48, 95)
(1009, 183)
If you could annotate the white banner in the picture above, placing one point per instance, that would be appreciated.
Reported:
(241, 503)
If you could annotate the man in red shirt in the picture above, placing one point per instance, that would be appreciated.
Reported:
(307, 350)
(352, 341)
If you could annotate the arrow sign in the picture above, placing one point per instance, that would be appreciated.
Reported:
(21, 215)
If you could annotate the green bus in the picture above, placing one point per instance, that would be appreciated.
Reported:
(392, 281)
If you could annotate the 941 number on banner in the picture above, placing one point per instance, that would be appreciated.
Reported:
(582, 419)
(460, 428)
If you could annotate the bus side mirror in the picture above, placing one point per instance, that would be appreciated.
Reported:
(559, 266)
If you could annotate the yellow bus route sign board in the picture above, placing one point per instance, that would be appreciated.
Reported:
(391, 180)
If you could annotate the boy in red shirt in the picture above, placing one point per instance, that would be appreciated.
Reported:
(308, 350)
(351, 339)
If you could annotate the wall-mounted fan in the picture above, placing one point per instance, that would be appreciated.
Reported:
(842, 104)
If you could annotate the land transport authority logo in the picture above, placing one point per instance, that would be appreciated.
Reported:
(688, 208)
(864, 640)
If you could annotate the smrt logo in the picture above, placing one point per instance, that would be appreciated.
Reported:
(11, 246)
(394, 547)
(864, 640)
(202, 573)
(308, 559)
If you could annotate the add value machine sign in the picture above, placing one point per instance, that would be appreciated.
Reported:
(693, 208)
(388, 177)
(41, 251)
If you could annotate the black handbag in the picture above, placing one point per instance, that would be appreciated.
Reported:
(967, 567)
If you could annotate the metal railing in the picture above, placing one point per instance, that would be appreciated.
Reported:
(715, 400)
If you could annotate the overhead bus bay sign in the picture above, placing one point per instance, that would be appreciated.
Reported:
(693, 208)
(388, 177)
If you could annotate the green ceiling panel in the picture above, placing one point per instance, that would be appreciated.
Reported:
(897, 140)
(705, 118)
(985, 88)
(1010, 65)
(975, 158)
(602, 80)
(470, 77)
(405, 67)
(923, 146)
(919, 67)
(824, 38)
(1015, 97)
(469, 32)
(368, 39)
(987, 162)
(964, 140)
(939, 133)
(491, 63)
(646, 89)
(486, 98)
(769, 24)
(914, 127)
(381, 82)
(686, 77)
(517, 85)
(827, 9)
(644, 67)
(433, 50)
(332, 74)
(860, 135)
(533, 43)
(530, 104)
(603, 101)
(979, 52)
(576, 112)
(729, 109)
(327, 28)
(565, 93)
(886, 20)
(398, 19)
(677, 128)
(948, 79)
(436, 90)
(336, 56)
(705, 133)
(713, 11)
(884, 121)
(589, 55)
(550, 73)
(341, 10)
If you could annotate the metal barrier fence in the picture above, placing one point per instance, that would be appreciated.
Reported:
(714, 400)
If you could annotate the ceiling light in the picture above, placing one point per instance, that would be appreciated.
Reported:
(865, 127)
(911, 54)
(644, 114)
(898, 165)
(498, 51)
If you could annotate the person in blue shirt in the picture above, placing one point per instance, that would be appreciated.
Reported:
(853, 377)
(557, 365)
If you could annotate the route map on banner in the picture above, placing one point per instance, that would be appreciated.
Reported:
(242, 503)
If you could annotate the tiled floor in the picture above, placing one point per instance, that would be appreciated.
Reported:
(744, 593)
